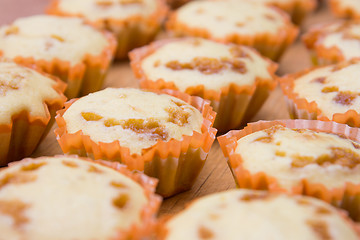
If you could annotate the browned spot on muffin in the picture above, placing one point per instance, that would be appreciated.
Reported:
(16, 178)
(322, 210)
(238, 52)
(16, 210)
(320, 228)
(200, 10)
(254, 196)
(94, 169)
(69, 164)
(178, 116)
(205, 233)
(57, 37)
(111, 122)
(239, 24)
(130, 1)
(104, 3)
(121, 200)
(307, 134)
(319, 80)
(89, 116)
(330, 89)
(340, 156)
(33, 166)
(303, 201)
(280, 153)
(11, 30)
(356, 145)
(238, 66)
(117, 184)
(157, 63)
(265, 139)
(6, 86)
(214, 216)
(345, 98)
(146, 126)
(269, 17)
(207, 65)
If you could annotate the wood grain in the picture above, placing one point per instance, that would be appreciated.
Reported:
(216, 175)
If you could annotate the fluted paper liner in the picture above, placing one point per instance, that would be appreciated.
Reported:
(269, 45)
(82, 78)
(130, 32)
(23, 134)
(300, 108)
(148, 184)
(297, 9)
(346, 197)
(175, 163)
(320, 54)
(343, 11)
(235, 104)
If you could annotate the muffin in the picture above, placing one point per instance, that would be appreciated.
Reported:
(163, 136)
(67, 48)
(28, 102)
(236, 79)
(345, 8)
(297, 9)
(309, 157)
(133, 22)
(333, 42)
(263, 27)
(325, 93)
(65, 197)
(247, 214)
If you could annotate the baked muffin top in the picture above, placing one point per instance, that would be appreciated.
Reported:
(225, 18)
(354, 5)
(195, 61)
(136, 118)
(247, 214)
(64, 197)
(342, 35)
(49, 37)
(22, 88)
(335, 88)
(117, 9)
(291, 155)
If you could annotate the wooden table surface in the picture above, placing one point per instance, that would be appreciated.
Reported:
(215, 175)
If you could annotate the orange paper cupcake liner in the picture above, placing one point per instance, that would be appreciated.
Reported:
(343, 11)
(22, 135)
(82, 78)
(297, 9)
(148, 213)
(175, 163)
(346, 197)
(234, 104)
(130, 33)
(301, 108)
(269, 45)
(321, 55)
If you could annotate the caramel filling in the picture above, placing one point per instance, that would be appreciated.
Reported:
(253, 197)
(14, 209)
(320, 228)
(121, 200)
(340, 156)
(33, 166)
(16, 178)
(345, 98)
(205, 233)
(69, 164)
(208, 66)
